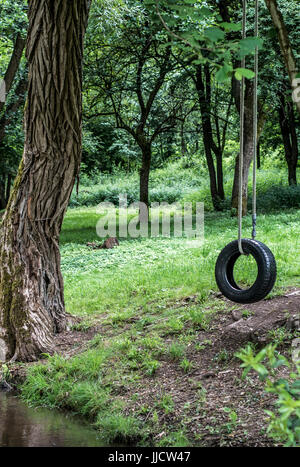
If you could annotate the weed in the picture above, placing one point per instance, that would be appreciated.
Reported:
(223, 356)
(150, 367)
(233, 419)
(119, 427)
(166, 403)
(176, 351)
(186, 365)
(175, 439)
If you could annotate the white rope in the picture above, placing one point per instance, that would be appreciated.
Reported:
(241, 159)
(255, 136)
(255, 139)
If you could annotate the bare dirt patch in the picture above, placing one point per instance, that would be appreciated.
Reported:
(214, 383)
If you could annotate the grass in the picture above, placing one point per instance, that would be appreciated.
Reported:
(137, 293)
(127, 278)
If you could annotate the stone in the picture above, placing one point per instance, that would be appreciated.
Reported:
(5, 387)
(236, 315)
(293, 323)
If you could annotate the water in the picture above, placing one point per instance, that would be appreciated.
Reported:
(22, 426)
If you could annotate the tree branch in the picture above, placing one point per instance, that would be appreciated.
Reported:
(13, 65)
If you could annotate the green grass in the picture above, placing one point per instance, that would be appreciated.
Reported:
(140, 271)
(136, 292)
(142, 282)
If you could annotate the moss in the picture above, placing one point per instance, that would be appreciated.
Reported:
(11, 209)
(11, 300)
(12, 275)
(17, 314)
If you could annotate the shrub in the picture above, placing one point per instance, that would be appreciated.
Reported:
(284, 424)
(174, 184)
(278, 197)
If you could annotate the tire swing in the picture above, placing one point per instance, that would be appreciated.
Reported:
(265, 261)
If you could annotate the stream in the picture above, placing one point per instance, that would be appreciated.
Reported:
(22, 426)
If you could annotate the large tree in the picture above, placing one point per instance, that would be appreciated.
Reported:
(214, 130)
(217, 51)
(132, 76)
(270, 79)
(215, 104)
(288, 128)
(285, 44)
(7, 112)
(31, 285)
(12, 69)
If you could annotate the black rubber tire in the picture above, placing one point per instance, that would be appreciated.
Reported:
(266, 274)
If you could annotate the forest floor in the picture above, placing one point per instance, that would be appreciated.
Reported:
(152, 357)
(205, 401)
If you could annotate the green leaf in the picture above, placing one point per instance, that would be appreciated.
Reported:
(204, 11)
(214, 34)
(249, 44)
(199, 61)
(224, 72)
(240, 72)
(229, 27)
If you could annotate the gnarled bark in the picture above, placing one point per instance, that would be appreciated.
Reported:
(31, 285)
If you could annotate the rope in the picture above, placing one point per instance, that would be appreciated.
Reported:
(255, 101)
(242, 114)
(242, 117)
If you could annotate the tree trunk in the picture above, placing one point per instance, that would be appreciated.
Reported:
(220, 177)
(13, 65)
(144, 174)
(248, 146)
(215, 175)
(248, 129)
(10, 110)
(289, 137)
(2, 192)
(182, 139)
(31, 285)
(292, 174)
(258, 155)
(8, 188)
(285, 45)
